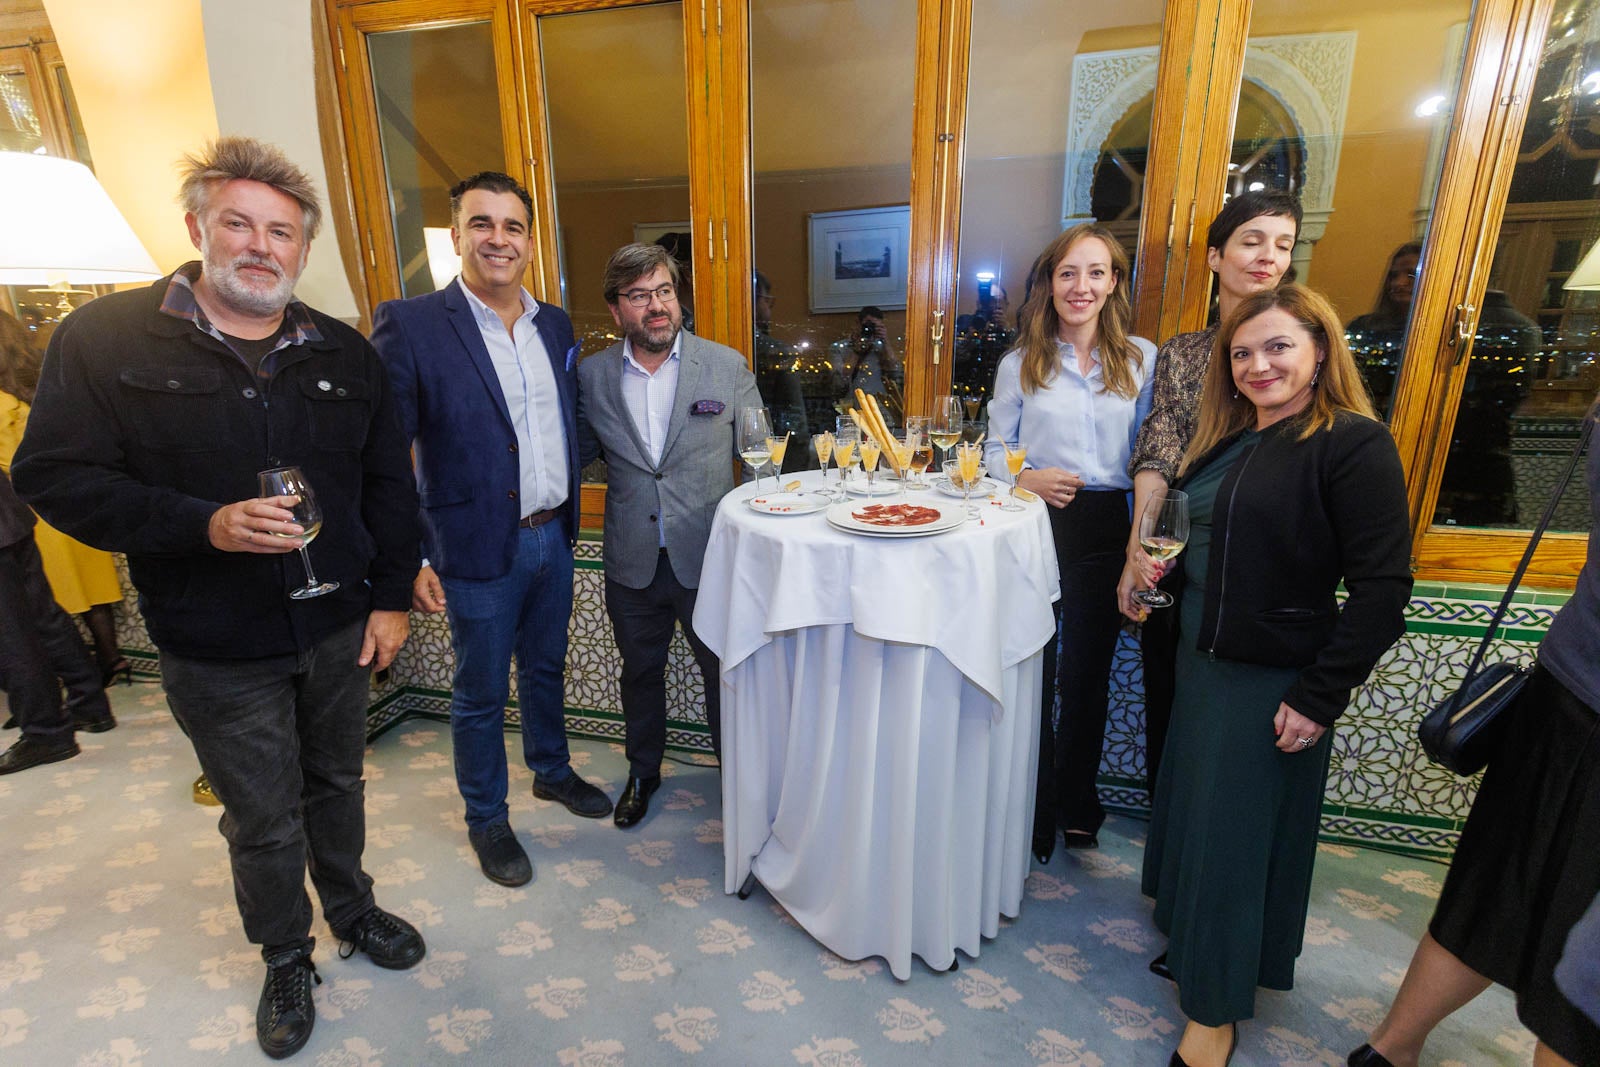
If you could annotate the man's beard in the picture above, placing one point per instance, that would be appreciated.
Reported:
(223, 279)
(655, 339)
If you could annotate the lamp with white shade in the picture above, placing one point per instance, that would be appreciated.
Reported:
(58, 227)
(1586, 275)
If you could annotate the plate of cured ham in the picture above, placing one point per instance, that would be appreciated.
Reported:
(895, 518)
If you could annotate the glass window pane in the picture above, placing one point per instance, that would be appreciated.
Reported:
(1348, 107)
(1075, 152)
(19, 118)
(1533, 369)
(80, 140)
(619, 149)
(831, 99)
(438, 121)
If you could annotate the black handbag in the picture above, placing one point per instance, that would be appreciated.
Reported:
(1461, 732)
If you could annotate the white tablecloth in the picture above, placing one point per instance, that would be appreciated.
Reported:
(880, 703)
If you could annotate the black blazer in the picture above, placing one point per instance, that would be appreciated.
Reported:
(16, 519)
(1293, 519)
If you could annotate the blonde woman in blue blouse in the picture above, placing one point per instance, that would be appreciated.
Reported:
(1075, 391)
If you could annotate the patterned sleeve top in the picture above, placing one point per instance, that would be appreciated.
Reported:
(1180, 373)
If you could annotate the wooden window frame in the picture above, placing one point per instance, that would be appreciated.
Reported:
(1199, 75)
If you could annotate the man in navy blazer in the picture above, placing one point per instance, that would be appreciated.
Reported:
(484, 384)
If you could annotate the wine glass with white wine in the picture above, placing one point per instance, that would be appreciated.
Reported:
(755, 429)
(946, 429)
(1163, 531)
(289, 481)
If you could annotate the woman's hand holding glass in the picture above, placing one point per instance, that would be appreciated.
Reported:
(1163, 531)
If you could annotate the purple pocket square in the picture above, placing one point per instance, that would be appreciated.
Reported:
(707, 407)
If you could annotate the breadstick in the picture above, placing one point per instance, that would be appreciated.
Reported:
(871, 421)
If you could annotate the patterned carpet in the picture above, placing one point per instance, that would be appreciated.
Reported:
(120, 944)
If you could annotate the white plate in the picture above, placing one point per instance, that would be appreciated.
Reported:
(950, 516)
(802, 503)
(884, 483)
(987, 487)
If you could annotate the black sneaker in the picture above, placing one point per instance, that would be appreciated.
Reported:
(286, 1014)
(388, 940)
(579, 797)
(29, 752)
(500, 856)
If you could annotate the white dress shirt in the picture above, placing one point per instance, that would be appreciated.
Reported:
(533, 399)
(648, 398)
(1073, 423)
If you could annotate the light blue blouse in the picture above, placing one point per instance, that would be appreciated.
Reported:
(1072, 423)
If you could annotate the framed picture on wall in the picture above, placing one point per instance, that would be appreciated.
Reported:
(648, 233)
(859, 258)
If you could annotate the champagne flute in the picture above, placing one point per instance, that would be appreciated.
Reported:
(968, 460)
(946, 429)
(289, 481)
(754, 430)
(776, 448)
(1016, 457)
(902, 457)
(844, 455)
(823, 443)
(921, 449)
(1163, 531)
(870, 451)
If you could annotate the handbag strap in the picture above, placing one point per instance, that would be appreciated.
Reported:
(1533, 542)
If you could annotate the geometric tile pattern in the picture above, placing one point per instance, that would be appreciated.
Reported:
(1382, 790)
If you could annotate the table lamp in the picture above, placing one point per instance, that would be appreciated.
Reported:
(1586, 275)
(58, 227)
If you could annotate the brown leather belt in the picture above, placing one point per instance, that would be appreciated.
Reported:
(539, 518)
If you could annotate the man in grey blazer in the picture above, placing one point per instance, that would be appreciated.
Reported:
(662, 408)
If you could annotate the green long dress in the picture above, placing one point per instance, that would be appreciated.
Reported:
(1234, 832)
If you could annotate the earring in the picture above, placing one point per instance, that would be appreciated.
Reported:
(1315, 375)
(1236, 392)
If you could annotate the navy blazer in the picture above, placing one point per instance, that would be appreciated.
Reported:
(454, 413)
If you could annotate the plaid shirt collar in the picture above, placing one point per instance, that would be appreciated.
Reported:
(180, 303)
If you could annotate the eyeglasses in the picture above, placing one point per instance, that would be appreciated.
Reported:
(641, 297)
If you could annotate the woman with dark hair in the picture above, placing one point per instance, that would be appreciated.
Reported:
(1294, 488)
(1248, 247)
(1528, 862)
(83, 579)
(1074, 392)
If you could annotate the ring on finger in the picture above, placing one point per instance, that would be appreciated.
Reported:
(1307, 742)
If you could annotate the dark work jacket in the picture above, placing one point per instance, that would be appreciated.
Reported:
(1293, 519)
(144, 426)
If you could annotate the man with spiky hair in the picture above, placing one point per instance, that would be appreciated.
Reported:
(156, 410)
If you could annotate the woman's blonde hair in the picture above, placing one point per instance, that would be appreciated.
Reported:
(1336, 386)
(1038, 324)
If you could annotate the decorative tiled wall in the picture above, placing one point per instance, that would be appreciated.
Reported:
(1382, 790)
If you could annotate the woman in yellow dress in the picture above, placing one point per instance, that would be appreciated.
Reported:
(83, 579)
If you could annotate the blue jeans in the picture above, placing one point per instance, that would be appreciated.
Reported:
(523, 613)
(282, 741)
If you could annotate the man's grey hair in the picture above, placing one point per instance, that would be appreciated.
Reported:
(229, 158)
(635, 261)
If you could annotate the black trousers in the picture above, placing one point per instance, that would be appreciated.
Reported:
(1158, 647)
(282, 741)
(40, 650)
(642, 621)
(1091, 538)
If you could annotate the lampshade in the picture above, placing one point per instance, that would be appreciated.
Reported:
(1587, 273)
(58, 225)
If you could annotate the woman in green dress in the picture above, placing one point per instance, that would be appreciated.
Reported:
(1294, 487)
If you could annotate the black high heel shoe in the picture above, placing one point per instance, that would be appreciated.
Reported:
(1159, 968)
(122, 668)
(1367, 1056)
(1233, 1046)
(1044, 848)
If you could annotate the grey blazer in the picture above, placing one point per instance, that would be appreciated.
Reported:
(697, 459)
